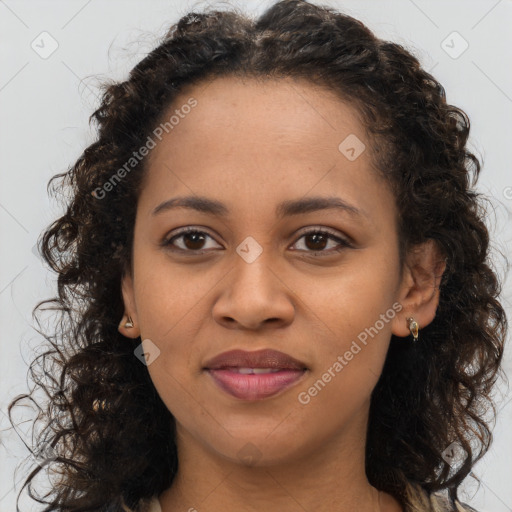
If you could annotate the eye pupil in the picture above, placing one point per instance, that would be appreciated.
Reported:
(317, 238)
(195, 237)
(193, 241)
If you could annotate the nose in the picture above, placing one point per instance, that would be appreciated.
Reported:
(254, 296)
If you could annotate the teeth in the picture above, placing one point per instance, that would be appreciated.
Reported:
(249, 371)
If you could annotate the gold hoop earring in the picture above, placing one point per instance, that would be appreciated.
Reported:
(129, 323)
(414, 328)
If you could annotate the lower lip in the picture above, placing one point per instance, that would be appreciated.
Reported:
(255, 386)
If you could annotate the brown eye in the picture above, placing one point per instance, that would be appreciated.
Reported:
(190, 240)
(193, 240)
(318, 239)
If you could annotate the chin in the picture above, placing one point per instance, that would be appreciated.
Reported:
(257, 449)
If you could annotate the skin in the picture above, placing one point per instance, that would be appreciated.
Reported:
(252, 144)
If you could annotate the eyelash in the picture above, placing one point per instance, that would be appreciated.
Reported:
(344, 244)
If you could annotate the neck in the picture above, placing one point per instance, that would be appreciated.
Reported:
(326, 480)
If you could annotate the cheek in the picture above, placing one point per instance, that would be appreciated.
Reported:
(353, 311)
(354, 295)
(350, 352)
(173, 389)
(166, 296)
(331, 401)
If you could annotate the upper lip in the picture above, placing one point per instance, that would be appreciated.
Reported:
(265, 358)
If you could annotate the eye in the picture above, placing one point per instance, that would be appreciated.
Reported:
(317, 239)
(192, 240)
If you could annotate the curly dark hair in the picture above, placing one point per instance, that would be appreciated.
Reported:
(112, 436)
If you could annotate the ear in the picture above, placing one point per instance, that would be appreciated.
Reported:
(419, 289)
(128, 293)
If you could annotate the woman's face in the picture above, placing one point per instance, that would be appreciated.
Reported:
(258, 275)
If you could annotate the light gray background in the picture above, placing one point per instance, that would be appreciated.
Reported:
(44, 108)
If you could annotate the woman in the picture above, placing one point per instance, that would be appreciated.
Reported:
(286, 301)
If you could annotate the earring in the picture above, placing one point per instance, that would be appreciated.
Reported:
(99, 405)
(129, 323)
(413, 327)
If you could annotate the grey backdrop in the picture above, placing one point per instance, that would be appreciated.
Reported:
(53, 53)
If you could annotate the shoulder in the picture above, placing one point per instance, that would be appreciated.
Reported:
(418, 500)
(445, 504)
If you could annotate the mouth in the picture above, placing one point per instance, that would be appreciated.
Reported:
(255, 375)
(254, 383)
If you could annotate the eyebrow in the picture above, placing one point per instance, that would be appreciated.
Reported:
(284, 209)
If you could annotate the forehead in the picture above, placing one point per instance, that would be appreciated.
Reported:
(260, 138)
(250, 112)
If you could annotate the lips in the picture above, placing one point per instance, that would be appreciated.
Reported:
(254, 375)
(265, 358)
